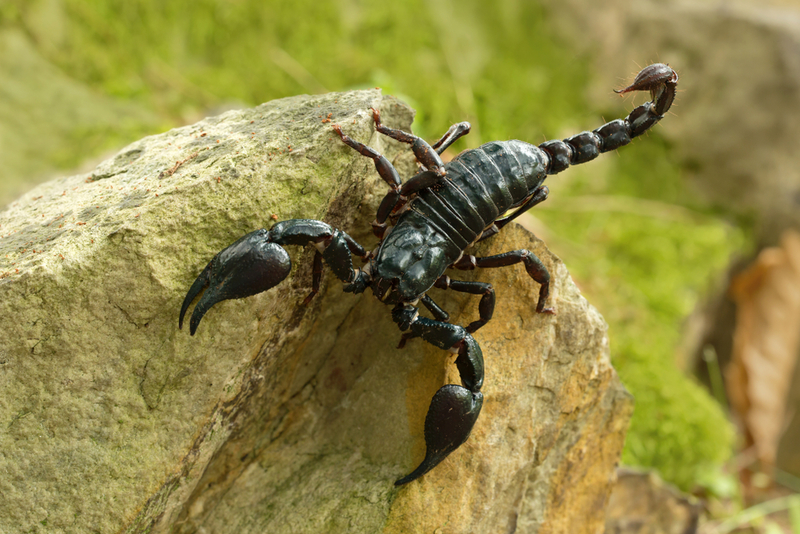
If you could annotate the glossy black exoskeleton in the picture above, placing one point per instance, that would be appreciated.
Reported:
(437, 215)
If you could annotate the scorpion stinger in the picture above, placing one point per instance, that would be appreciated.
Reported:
(436, 216)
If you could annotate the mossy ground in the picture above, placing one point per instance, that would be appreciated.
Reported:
(643, 264)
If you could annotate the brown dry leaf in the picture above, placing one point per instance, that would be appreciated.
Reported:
(766, 343)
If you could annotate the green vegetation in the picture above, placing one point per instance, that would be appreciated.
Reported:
(643, 254)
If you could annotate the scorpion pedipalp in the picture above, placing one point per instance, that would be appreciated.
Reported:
(257, 262)
(454, 408)
(249, 266)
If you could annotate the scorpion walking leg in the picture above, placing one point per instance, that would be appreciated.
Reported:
(452, 134)
(539, 196)
(384, 167)
(428, 178)
(454, 409)
(486, 305)
(389, 175)
(533, 265)
(425, 154)
(399, 194)
(258, 262)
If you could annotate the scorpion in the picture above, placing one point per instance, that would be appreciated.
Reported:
(436, 216)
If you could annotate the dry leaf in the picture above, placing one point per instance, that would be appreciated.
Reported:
(766, 343)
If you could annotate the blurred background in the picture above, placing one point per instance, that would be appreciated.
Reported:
(686, 241)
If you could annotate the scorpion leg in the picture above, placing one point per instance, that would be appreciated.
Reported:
(425, 154)
(486, 305)
(533, 265)
(454, 409)
(389, 175)
(539, 196)
(428, 178)
(452, 135)
(384, 167)
(258, 262)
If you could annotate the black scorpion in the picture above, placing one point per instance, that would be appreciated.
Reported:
(437, 215)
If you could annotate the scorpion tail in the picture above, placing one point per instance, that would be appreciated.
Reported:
(249, 266)
(660, 80)
(454, 409)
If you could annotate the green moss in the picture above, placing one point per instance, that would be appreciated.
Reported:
(643, 264)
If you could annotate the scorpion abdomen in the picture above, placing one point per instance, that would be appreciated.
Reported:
(497, 176)
(480, 185)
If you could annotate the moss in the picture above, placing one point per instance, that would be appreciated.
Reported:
(497, 64)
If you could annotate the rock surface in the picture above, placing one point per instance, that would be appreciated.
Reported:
(642, 503)
(275, 417)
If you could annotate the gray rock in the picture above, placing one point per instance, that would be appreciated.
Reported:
(274, 417)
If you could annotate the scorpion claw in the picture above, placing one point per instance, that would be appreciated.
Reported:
(453, 412)
(454, 409)
(249, 266)
(200, 283)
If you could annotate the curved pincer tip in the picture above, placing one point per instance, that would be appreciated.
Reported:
(249, 266)
(451, 416)
(200, 283)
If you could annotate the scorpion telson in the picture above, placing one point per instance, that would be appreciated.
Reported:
(435, 216)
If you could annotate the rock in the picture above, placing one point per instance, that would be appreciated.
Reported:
(274, 417)
(642, 503)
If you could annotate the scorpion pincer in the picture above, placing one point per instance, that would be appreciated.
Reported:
(434, 216)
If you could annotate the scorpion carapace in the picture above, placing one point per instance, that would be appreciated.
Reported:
(436, 215)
